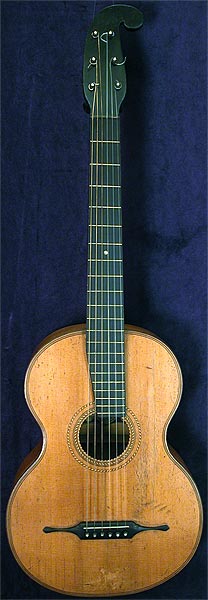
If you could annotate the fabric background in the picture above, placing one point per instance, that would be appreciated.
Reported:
(45, 203)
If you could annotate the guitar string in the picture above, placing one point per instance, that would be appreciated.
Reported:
(89, 311)
(101, 263)
(114, 295)
(96, 299)
(108, 279)
(123, 332)
(95, 327)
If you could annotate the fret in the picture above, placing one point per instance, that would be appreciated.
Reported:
(119, 413)
(105, 331)
(93, 225)
(104, 340)
(112, 410)
(106, 353)
(108, 391)
(109, 243)
(111, 383)
(106, 364)
(111, 405)
(105, 276)
(106, 286)
(105, 260)
(102, 164)
(112, 398)
(105, 141)
(104, 207)
(106, 291)
(110, 305)
(96, 320)
(96, 185)
(114, 384)
(114, 381)
(114, 319)
(106, 219)
(104, 372)
(103, 363)
(103, 395)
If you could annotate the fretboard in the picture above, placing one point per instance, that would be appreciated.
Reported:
(105, 304)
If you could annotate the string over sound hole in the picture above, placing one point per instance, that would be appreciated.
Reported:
(103, 440)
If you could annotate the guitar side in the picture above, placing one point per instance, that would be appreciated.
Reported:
(149, 487)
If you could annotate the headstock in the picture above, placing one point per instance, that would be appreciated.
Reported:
(104, 75)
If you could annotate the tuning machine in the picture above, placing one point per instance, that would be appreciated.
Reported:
(92, 86)
(115, 62)
(92, 62)
(117, 84)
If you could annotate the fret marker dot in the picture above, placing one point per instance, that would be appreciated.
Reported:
(105, 252)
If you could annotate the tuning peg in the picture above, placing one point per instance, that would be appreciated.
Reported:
(115, 63)
(92, 62)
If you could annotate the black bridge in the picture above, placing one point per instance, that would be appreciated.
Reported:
(100, 530)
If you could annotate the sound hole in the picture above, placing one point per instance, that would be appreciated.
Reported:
(103, 440)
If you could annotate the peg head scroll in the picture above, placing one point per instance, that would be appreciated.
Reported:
(104, 75)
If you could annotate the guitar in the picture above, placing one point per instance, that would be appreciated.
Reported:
(104, 507)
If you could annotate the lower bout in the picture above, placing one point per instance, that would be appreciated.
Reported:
(64, 563)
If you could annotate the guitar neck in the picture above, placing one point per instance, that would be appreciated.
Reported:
(105, 306)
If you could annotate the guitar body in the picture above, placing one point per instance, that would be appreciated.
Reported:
(145, 484)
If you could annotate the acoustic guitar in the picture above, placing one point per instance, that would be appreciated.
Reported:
(104, 507)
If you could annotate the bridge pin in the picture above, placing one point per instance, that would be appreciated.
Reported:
(102, 534)
(110, 535)
(87, 534)
(125, 533)
(94, 535)
(117, 534)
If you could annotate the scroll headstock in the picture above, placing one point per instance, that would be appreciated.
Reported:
(104, 74)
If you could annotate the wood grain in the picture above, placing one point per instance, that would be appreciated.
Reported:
(57, 490)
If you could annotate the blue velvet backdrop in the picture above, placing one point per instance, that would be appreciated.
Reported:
(46, 154)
